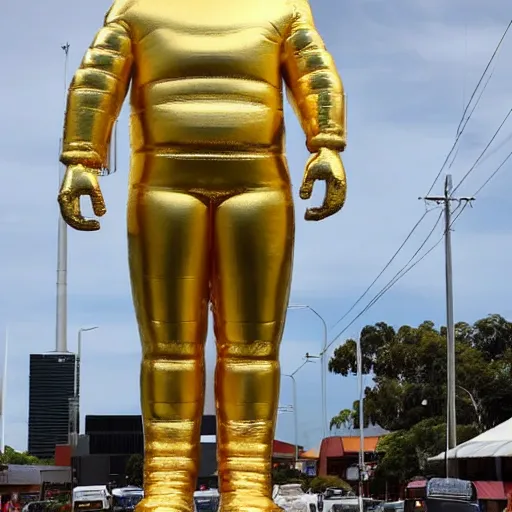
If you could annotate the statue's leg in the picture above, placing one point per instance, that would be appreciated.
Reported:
(253, 247)
(168, 253)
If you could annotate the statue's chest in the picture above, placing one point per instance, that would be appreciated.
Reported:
(227, 13)
(179, 38)
(211, 17)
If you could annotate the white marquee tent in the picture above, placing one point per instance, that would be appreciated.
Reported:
(496, 442)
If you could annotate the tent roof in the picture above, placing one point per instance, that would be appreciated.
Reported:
(496, 442)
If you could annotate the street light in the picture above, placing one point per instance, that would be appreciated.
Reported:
(78, 356)
(322, 364)
(424, 403)
(475, 405)
(294, 406)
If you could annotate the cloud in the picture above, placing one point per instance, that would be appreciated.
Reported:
(407, 68)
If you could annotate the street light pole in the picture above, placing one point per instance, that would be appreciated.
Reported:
(295, 420)
(322, 364)
(474, 404)
(359, 355)
(3, 409)
(76, 394)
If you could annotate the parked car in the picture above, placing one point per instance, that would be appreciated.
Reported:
(392, 506)
(292, 497)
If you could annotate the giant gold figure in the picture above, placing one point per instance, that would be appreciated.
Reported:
(210, 213)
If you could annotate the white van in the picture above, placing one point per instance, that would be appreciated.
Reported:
(207, 501)
(91, 497)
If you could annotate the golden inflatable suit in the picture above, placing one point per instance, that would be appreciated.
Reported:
(210, 213)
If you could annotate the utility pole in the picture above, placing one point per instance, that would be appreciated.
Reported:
(451, 416)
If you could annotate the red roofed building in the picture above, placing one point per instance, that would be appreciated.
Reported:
(338, 453)
(283, 452)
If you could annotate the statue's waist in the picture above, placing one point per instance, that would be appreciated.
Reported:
(208, 112)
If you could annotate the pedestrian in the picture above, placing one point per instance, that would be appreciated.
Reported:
(12, 505)
(508, 508)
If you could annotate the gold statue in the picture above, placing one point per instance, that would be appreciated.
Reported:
(210, 213)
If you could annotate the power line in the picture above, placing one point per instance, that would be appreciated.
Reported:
(493, 174)
(401, 273)
(390, 283)
(460, 130)
(465, 120)
(404, 271)
(501, 145)
(409, 266)
(469, 117)
(384, 269)
(477, 161)
(498, 46)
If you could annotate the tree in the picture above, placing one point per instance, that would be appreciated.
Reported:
(135, 470)
(321, 483)
(344, 419)
(286, 475)
(405, 453)
(11, 456)
(408, 367)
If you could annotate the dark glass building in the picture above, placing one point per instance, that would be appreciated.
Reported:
(51, 388)
(112, 440)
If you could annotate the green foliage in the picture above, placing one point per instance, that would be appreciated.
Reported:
(285, 475)
(408, 366)
(321, 483)
(344, 419)
(135, 470)
(11, 456)
(408, 396)
(405, 453)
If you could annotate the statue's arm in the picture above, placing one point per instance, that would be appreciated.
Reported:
(314, 86)
(96, 96)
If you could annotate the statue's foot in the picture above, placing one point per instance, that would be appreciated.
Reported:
(232, 502)
(170, 503)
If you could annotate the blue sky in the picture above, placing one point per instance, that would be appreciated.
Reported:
(407, 66)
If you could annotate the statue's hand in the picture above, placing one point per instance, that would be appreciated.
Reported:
(325, 165)
(80, 181)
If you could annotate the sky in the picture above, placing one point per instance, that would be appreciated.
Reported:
(408, 69)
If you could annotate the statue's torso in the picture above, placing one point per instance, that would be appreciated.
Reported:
(208, 73)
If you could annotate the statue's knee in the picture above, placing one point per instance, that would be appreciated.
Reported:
(258, 350)
(173, 350)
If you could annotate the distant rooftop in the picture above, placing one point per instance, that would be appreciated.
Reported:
(18, 474)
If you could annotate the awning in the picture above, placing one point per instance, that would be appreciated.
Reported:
(496, 442)
(478, 450)
(417, 484)
(490, 491)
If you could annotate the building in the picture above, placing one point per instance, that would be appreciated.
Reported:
(51, 388)
(284, 453)
(29, 481)
(109, 441)
(339, 453)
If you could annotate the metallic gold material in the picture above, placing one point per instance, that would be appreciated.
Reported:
(210, 213)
